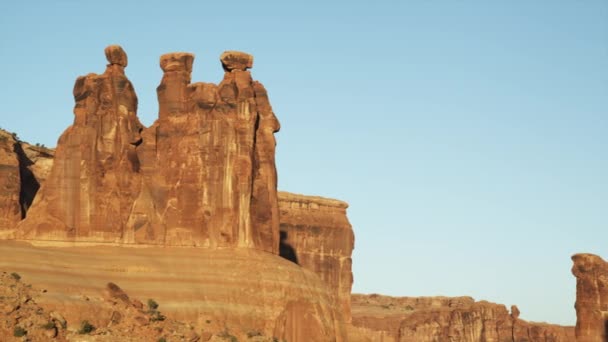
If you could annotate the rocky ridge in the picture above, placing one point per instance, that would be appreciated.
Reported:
(428, 319)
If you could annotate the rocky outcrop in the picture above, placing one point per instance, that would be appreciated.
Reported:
(209, 177)
(591, 274)
(22, 169)
(316, 234)
(10, 180)
(202, 175)
(94, 180)
(428, 319)
(240, 290)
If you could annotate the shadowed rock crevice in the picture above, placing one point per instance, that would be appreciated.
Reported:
(286, 251)
(29, 183)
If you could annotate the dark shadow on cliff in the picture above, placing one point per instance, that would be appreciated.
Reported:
(285, 249)
(29, 183)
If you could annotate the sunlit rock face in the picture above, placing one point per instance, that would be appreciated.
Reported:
(591, 274)
(23, 168)
(316, 234)
(95, 176)
(430, 319)
(202, 175)
(208, 163)
(10, 179)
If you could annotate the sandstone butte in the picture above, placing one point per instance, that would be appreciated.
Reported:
(187, 212)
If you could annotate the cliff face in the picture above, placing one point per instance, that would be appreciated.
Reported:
(591, 274)
(316, 234)
(10, 180)
(203, 175)
(429, 319)
(23, 167)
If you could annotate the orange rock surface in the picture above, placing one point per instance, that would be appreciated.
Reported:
(209, 177)
(591, 274)
(10, 180)
(238, 289)
(202, 175)
(94, 179)
(316, 234)
(427, 319)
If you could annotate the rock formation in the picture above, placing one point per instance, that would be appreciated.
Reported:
(10, 210)
(94, 180)
(208, 162)
(428, 319)
(316, 234)
(22, 169)
(235, 289)
(203, 175)
(591, 274)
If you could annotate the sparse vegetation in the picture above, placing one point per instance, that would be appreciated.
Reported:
(16, 276)
(162, 339)
(253, 333)
(86, 328)
(19, 332)
(155, 315)
(409, 308)
(48, 326)
(227, 336)
(152, 304)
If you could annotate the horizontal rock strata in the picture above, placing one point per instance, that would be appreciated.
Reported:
(430, 319)
(316, 234)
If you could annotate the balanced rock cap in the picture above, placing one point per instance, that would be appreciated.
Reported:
(236, 60)
(116, 55)
(175, 61)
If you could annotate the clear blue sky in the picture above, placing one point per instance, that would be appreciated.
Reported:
(469, 137)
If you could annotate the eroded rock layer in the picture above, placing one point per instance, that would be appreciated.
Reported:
(238, 290)
(591, 274)
(428, 319)
(316, 234)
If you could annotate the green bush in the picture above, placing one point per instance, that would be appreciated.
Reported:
(86, 328)
(19, 332)
(162, 339)
(16, 276)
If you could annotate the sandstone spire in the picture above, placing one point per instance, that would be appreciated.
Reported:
(591, 274)
(211, 156)
(94, 181)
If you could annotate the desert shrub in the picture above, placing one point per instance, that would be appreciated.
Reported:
(227, 336)
(162, 339)
(152, 304)
(16, 276)
(19, 332)
(253, 333)
(156, 316)
(85, 328)
(48, 326)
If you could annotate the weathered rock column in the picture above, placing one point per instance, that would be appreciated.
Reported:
(94, 179)
(591, 274)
